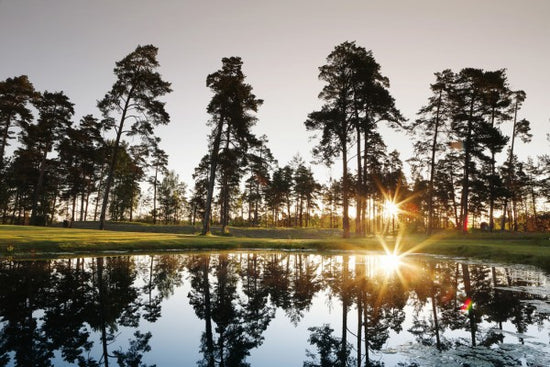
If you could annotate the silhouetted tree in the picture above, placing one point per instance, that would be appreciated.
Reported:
(15, 95)
(471, 129)
(434, 120)
(134, 97)
(158, 163)
(55, 113)
(172, 200)
(334, 119)
(231, 109)
(520, 129)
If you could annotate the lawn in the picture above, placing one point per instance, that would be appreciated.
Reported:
(28, 241)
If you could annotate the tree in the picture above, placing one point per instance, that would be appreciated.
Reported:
(134, 96)
(55, 113)
(433, 120)
(334, 118)
(15, 94)
(231, 109)
(126, 177)
(260, 162)
(472, 130)
(172, 199)
(80, 154)
(158, 163)
(306, 188)
(332, 201)
(356, 99)
(200, 190)
(278, 192)
(497, 95)
(520, 129)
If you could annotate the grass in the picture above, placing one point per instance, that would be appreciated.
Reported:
(27, 241)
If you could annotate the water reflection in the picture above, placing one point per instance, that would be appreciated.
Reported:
(103, 311)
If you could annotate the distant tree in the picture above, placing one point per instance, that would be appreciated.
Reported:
(332, 200)
(15, 95)
(158, 164)
(279, 193)
(231, 108)
(260, 162)
(231, 163)
(81, 155)
(134, 97)
(197, 200)
(126, 178)
(172, 201)
(306, 189)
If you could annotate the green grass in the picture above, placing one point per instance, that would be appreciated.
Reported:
(27, 241)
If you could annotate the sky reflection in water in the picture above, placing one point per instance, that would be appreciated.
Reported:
(268, 308)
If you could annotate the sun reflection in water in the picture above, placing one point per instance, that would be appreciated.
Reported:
(390, 263)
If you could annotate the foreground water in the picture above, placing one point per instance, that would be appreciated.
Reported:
(272, 309)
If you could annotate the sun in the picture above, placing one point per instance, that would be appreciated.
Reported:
(390, 262)
(390, 209)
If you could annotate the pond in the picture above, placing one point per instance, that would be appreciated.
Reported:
(272, 309)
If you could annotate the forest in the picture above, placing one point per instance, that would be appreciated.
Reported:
(465, 170)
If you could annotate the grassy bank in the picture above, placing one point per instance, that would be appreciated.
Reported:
(27, 241)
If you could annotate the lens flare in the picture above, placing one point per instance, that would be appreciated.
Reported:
(390, 209)
(467, 306)
(390, 262)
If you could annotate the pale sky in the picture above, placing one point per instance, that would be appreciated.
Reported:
(72, 45)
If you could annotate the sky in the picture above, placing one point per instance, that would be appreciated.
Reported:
(72, 45)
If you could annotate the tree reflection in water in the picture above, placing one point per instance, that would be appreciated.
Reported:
(75, 310)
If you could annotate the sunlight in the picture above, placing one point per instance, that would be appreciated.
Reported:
(390, 209)
(390, 263)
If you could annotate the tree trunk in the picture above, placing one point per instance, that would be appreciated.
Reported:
(510, 166)
(112, 165)
(345, 189)
(212, 178)
(466, 179)
(432, 169)
(358, 191)
(73, 207)
(38, 187)
(155, 197)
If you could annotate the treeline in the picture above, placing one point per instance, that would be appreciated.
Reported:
(88, 170)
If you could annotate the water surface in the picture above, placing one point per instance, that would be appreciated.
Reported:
(271, 309)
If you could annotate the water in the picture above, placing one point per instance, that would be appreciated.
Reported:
(272, 309)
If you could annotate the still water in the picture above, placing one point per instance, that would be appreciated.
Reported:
(272, 309)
